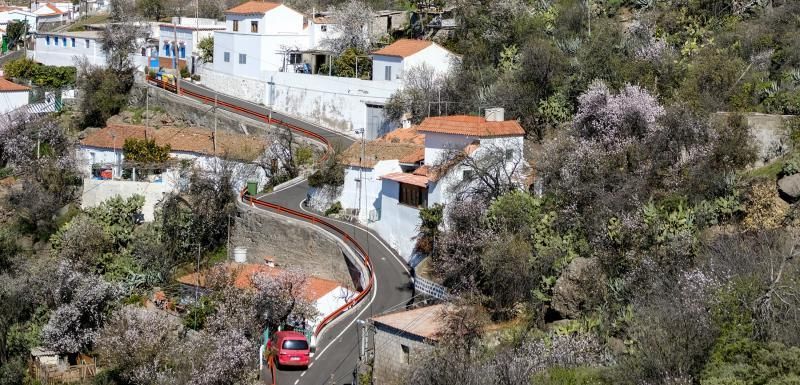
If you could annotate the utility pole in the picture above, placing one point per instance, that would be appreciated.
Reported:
(215, 127)
(175, 54)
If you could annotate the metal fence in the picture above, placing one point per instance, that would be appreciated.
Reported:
(430, 288)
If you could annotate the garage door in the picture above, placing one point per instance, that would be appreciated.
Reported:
(377, 124)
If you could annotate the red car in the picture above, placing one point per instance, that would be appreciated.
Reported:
(290, 349)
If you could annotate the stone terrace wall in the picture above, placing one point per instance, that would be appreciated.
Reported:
(290, 243)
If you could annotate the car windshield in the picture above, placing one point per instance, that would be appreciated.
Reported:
(295, 345)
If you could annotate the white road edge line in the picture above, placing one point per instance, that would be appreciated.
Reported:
(374, 293)
(369, 233)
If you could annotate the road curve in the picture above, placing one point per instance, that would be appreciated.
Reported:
(337, 346)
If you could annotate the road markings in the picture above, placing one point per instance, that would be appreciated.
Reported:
(374, 292)
(369, 233)
(304, 372)
(297, 381)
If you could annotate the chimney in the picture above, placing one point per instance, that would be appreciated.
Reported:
(495, 114)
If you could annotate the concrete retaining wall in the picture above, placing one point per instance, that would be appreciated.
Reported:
(291, 243)
(334, 102)
(97, 191)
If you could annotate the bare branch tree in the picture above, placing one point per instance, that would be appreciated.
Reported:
(350, 29)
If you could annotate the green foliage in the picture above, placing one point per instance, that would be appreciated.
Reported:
(151, 9)
(119, 217)
(752, 363)
(331, 174)
(184, 72)
(51, 77)
(105, 94)
(145, 151)
(197, 313)
(303, 155)
(345, 65)
(335, 208)
(572, 376)
(206, 47)
(430, 220)
(16, 31)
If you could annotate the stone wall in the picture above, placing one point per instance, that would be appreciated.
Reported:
(290, 243)
(395, 354)
(770, 134)
(194, 112)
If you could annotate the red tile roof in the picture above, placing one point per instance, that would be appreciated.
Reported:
(243, 274)
(405, 135)
(185, 139)
(53, 8)
(253, 7)
(8, 86)
(403, 48)
(378, 150)
(412, 179)
(470, 126)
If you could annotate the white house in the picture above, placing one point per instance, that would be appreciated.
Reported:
(390, 62)
(9, 14)
(181, 39)
(260, 36)
(62, 48)
(50, 13)
(107, 174)
(395, 178)
(326, 295)
(12, 96)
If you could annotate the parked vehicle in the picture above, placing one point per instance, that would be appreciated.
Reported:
(290, 349)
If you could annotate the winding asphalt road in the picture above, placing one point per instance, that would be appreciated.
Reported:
(337, 346)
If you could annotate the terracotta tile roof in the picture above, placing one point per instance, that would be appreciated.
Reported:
(405, 135)
(378, 150)
(403, 48)
(51, 7)
(407, 178)
(194, 140)
(243, 274)
(9, 86)
(470, 126)
(423, 322)
(253, 7)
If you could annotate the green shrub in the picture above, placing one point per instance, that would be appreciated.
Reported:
(334, 209)
(303, 155)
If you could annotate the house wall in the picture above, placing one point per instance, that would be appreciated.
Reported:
(331, 301)
(436, 57)
(335, 102)
(278, 30)
(379, 64)
(437, 144)
(10, 101)
(391, 363)
(370, 198)
(96, 191)
(6, 17)
(167, 35)
(50, 54)
(398, 223)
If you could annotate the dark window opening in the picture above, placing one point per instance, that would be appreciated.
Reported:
(413, 195)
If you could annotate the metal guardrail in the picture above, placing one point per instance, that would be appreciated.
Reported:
(430, 288)
(284, 210)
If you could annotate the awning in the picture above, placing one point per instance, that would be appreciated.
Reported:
(401, 177)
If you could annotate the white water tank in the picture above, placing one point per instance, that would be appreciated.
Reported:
(240, 254)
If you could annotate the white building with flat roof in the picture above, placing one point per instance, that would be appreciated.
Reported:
(179, 40)
(62, 48)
